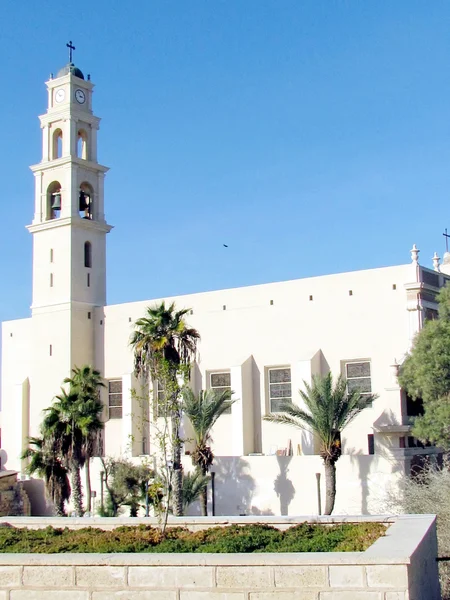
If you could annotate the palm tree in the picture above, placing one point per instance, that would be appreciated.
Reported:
(162, 342)
(203, 410)
(45, 462)
(86, 383)
(194, 485)
(60, 425)
(331, 408)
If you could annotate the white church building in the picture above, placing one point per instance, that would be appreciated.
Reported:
(261, 341)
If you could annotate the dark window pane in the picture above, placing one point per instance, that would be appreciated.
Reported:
(361, 369)
(220, 380)
(279, 375)
(361, 385)
(115, 387)
(280, 390)
(115, 412)
(276, 404)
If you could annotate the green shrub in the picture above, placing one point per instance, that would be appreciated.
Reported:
(234, 538)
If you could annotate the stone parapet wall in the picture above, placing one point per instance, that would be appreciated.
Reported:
(386, 571)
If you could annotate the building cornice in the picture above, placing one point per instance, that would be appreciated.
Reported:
(68, 160)
(78, 222)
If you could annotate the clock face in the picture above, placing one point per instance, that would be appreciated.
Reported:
(80, 96)
(60, 95)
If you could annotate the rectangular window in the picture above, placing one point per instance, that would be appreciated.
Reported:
(89, 280)
(115, 398)
(280, 388)
(358, 377)
(371, 443)
(220, 382)
(51, 255)
(51, 279)
(159, 399)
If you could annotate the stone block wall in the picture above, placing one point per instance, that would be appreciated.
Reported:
(388, 570)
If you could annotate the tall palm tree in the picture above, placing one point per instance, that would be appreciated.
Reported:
(331, 408)
(60, 425)
(45, 462)
(203, 410)
(193, 486)
(86, 383)
(162, 342)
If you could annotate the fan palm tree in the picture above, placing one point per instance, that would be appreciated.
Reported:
(86, 383)
(162, 342)
(194, 485)
(45, 462)
(70, 423)
(331, 408)
(203, 410)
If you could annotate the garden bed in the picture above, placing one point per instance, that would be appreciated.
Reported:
(304, 537)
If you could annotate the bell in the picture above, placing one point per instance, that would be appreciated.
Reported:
(84, 200)
(56, 202)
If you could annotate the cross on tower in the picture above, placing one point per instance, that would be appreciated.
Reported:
(72, 47)
(446, 235)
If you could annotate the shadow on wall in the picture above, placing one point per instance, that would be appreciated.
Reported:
(284, 488)
(40, 507)
(234, 487)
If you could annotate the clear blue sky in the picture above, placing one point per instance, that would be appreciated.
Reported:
(310, 136)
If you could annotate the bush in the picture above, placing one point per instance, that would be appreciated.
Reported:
(235, 538)
(428, 492)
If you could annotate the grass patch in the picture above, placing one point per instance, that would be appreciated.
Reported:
(305, 537)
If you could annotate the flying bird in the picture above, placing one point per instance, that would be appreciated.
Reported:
(225, 246)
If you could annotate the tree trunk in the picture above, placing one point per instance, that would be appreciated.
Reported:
(87, 466)
(330, 485)
(177, 482)
(204, 496)
(76, 489)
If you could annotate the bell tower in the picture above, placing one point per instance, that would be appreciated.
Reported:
(69, 236)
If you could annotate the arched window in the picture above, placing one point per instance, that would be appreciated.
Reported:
(57, 139)
(88, 254)
(82, 145)
(53, 201)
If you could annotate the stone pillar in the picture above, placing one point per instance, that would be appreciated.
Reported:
(242, 424)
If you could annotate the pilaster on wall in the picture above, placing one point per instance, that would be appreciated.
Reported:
(242, 410)
(15, 434)
(303, 371)
(134, 417)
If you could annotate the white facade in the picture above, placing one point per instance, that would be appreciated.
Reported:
(262, 340)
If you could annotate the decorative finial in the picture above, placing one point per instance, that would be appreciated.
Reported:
(415, 254)
(436, 260)
(71, 48)
(395, 370)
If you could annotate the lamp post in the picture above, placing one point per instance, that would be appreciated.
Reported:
(102, 473)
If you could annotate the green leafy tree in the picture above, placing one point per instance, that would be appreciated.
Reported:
(425, 374)
(163, 344)
(194, 485)
(86, 383)
(330, 409)
(126, 484)
(44, 461)
(203, 410)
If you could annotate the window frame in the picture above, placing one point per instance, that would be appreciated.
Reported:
(111, 407)
(269, 384)
(221, 387)
(365, 377)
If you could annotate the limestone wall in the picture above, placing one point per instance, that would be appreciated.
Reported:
(388, 570)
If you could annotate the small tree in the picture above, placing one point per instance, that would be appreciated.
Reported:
(203, 410)
(126, 484)
(331, 408)
(425, 374)
(194, 485)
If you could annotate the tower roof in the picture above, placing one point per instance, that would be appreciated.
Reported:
(70, 68)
